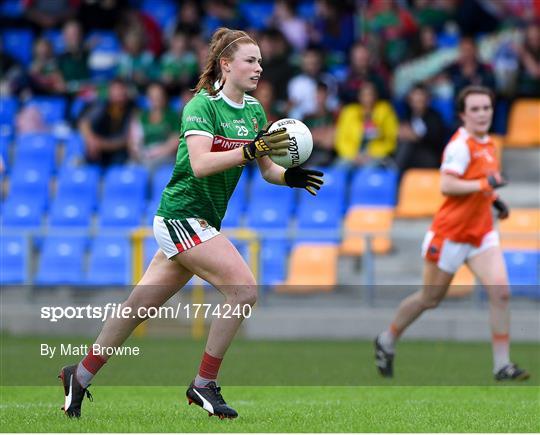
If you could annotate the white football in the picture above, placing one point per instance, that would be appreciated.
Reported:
(300, 142)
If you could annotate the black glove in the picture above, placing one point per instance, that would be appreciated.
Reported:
(273, 144)
(493, 181)
(502, 209)
(308, 179)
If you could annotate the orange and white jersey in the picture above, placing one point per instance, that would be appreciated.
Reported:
(467, 218)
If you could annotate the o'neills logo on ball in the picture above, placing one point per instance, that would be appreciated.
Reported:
(286, 122)
(293, 151)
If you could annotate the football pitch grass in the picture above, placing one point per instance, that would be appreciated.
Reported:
(292, 386)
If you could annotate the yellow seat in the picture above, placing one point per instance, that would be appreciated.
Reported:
(524, 124)
(419, 194)
(521, 230)
(462, 284)
(498, 141)
(370, 220)
(312, 268)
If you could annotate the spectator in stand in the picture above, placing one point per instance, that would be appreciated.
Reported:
(333, 28)
(528, 83)
(47, 14)
(154, 132)
(136, 64)
(178, 66)
(424, 42)
(422, 134)
(366, 131)
(390, 25)
(278, 69)
(479, 16)
(361, 70)
(468, 70)
(105, 127)
(136, 21)
(291, 26)
(265, 94)
(12, 75)
(102, 15)
(302, 89)
(321, 123)
(189, 18)
(45, 76)
(73, 63)
(222, 13)
(432, 13)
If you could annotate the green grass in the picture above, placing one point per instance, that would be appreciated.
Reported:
(270, 363)
(295, 386)
(281, 409)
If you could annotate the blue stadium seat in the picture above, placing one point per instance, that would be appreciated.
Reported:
(18, 43)
(232, 215)
(103, 40)
(151, 210)
(237, 204)
(242, 247)
(74, 149)
(335, 181)
(257, 14)
(61, 261)
(524, 272)
(37, 150)
(263, 214)
(12, 8)
(110, 261)
(14, 257)
(22, 212)
(150, 248)
(121, 212)
(447, 40)
(163, 11)
(5, 145)
(121, 182)
(445, 107)
(262, 190)
(161, 177)
(71, 212)
(8, 110)
(54, 36)
(77, 106)
(374, 186)
(104, 54)
(31, 183)
(53, 109)
(274, 258)
(79, 182)
(322, 217)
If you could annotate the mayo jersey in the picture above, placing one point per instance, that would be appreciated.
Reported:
(230, 125)
(467, 218)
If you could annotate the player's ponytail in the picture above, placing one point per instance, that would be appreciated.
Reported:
(223, 44)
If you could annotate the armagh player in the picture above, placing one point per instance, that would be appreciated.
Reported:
(220, 133)
(463, 232)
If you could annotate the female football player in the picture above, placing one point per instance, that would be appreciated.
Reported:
(463, 232)
(220, 134)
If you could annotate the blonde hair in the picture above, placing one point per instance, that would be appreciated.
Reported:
(223, 44)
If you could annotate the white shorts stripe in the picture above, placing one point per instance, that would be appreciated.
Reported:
(182, 241)
(186, 232)
(201, 228)
(181, 234)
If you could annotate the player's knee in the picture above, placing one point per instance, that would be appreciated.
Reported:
(248, 295)
(500, 294)
(430, 302)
